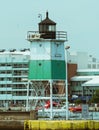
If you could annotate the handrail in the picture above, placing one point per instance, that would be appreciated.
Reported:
(59, 35)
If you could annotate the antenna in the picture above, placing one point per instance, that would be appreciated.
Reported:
(40, 16)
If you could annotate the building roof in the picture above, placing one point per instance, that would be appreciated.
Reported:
(89, 80)
(81, 78)
(16, 52)
(92, 82)
(88, 70)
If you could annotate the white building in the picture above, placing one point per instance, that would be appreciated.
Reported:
(83, 60)
(13, 69)
(86, 81)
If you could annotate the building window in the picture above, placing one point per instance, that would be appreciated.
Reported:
(89, 66)
(97, 66)
(94, 66)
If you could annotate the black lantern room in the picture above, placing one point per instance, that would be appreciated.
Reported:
(47, 28)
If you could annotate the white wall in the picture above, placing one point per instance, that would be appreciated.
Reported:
(79, 58)
(82, 60)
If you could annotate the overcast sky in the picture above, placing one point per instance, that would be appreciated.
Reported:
(80, 18)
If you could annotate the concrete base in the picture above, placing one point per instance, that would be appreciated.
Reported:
(15, 115)
(14, 120)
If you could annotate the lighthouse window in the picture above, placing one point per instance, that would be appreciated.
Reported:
(40, 64)
(41, 28)
(51, 28)
(44, 28)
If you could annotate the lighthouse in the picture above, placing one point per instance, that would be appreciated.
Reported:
(47, 55)
(47, 67)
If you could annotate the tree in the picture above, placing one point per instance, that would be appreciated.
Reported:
(78, 101)
(95, 98)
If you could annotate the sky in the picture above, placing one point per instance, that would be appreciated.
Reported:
(79, 18)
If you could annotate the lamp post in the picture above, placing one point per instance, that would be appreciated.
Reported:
(66, 89)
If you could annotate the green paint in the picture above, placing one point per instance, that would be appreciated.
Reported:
(47, 69)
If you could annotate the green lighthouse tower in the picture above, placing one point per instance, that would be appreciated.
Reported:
(47, 58)
(47, 66)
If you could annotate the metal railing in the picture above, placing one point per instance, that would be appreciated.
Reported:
(58, 35)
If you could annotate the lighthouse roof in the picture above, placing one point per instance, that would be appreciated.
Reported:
(47, 21)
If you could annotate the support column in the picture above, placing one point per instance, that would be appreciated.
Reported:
(51, 100)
